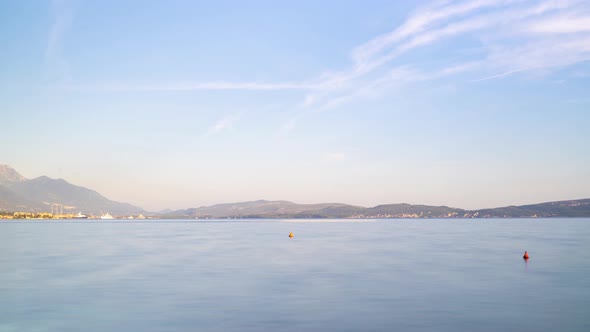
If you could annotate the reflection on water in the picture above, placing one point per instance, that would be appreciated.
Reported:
(418, 275)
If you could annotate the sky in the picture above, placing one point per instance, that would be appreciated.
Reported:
(177, 104)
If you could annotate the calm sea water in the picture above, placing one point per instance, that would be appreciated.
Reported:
(404, 275)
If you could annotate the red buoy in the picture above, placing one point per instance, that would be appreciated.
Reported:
(526, 255)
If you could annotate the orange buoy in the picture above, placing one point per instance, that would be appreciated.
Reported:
(526, 255)
(291, 234)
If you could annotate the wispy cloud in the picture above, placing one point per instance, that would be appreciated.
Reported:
(57, 67)
(512, 37)
(288, 126)
(370, 55)
(193, 86)
(561, 24)
(225, 123)
(513, 34)
(235, 86)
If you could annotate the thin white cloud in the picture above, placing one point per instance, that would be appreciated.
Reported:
(415, 24)
(288, 127)
(546, 55)
(255, 86)
(561, 24)
(500, 20)
(57, 67)
(225, 123)
(500, 75)
(195, 86)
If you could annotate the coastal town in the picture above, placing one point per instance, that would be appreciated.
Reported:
(78, 216)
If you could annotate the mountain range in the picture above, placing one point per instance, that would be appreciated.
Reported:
(18, 193)
(286, 209)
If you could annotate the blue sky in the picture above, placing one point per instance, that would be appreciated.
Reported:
(187, 103)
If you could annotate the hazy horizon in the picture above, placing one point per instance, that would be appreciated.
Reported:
(319, 202)
(469, 104)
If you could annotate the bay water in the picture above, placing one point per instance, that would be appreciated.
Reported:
(248, 275)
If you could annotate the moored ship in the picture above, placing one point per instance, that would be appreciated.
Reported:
(80, 216)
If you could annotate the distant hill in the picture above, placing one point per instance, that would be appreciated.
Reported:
(571, 208)
(254, 209)
(37, 195)
(286, 209)
(10, 200)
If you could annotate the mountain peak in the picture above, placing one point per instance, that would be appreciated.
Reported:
(20, 194)
(46, 178)
(8, 175)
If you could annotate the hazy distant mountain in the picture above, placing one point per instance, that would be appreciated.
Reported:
(8, 175)
(571, 208)
(285, 209)
(10, 201)
(254, 209)
(20, 194)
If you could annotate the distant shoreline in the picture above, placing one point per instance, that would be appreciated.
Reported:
(334, 220)
(263, 209)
